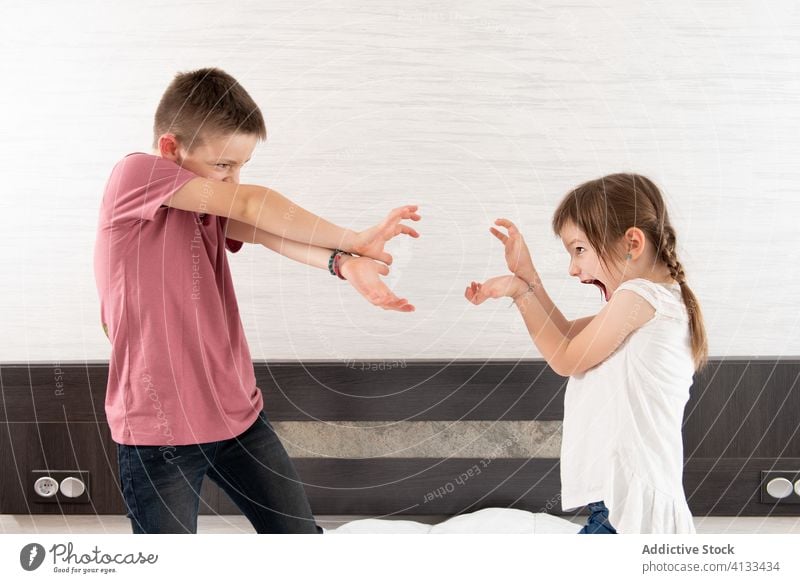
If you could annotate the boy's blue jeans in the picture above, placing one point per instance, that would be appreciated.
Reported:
(161, 486)
(598, 520)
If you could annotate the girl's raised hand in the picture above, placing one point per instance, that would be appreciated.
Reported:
(370, 242)
(518, 258)
(496, 287)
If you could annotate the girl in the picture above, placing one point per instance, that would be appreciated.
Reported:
(630, 366)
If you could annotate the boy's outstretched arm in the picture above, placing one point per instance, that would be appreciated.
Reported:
(361, 272)
(270, 211)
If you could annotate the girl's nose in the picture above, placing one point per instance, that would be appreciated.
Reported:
(573, 269)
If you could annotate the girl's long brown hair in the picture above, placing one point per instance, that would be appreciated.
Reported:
(605, 208)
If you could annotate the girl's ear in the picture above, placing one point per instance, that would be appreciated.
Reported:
(634, 242)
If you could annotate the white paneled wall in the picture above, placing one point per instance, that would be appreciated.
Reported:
(474, 110)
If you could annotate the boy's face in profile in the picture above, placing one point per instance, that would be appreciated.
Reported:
(217, 157)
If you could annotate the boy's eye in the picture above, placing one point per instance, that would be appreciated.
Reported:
(223, 165)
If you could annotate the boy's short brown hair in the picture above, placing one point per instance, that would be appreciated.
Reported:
(206, 102)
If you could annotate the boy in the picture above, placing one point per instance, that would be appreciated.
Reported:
(181, 400)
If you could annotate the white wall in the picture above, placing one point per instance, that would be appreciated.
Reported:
(474, 110)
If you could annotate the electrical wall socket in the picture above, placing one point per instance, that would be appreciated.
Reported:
(59, 476)
(794, 479)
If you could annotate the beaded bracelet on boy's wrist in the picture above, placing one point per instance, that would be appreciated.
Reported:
(331, 261)
(334, 262)
(337, 267)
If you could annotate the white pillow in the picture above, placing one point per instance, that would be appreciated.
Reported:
(505, 521)
(378, 526)
(486, 521)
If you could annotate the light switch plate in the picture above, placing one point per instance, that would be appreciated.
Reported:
(59, 476)
(792, 476)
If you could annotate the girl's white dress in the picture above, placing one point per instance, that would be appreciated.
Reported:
(622, 441)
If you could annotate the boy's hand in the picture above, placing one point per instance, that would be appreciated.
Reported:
(496, 287)
(518, 258)
(364, 275)
(369, 243)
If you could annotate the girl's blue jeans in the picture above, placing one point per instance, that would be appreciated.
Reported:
(161, 485)
(598, 520)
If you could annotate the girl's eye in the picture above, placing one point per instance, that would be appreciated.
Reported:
(578, 250)
(223, 165)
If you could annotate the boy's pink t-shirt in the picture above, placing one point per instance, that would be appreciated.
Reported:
(180, 370)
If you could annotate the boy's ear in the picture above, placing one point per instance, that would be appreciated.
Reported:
(168, 147)
(634, 241)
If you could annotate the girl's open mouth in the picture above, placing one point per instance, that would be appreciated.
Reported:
(600, 285)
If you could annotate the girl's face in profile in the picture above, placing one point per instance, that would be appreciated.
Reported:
(585, 264)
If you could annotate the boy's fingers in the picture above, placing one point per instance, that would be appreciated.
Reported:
(402, 306)
(512, 228)
(404, 212)
(405, 229)
(383, 269)
(393, 303)
(398, 305)
(385, 298)
(503, 238)
(411, 213)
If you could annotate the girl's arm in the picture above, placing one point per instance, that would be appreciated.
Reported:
(518, 259)
(570, 328)
(575, 326)
(625, 312)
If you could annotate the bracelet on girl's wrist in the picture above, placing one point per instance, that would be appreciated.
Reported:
(531, 289)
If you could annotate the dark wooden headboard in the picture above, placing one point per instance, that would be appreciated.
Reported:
(743, 419)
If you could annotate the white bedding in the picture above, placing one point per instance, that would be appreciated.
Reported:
(486, 521)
